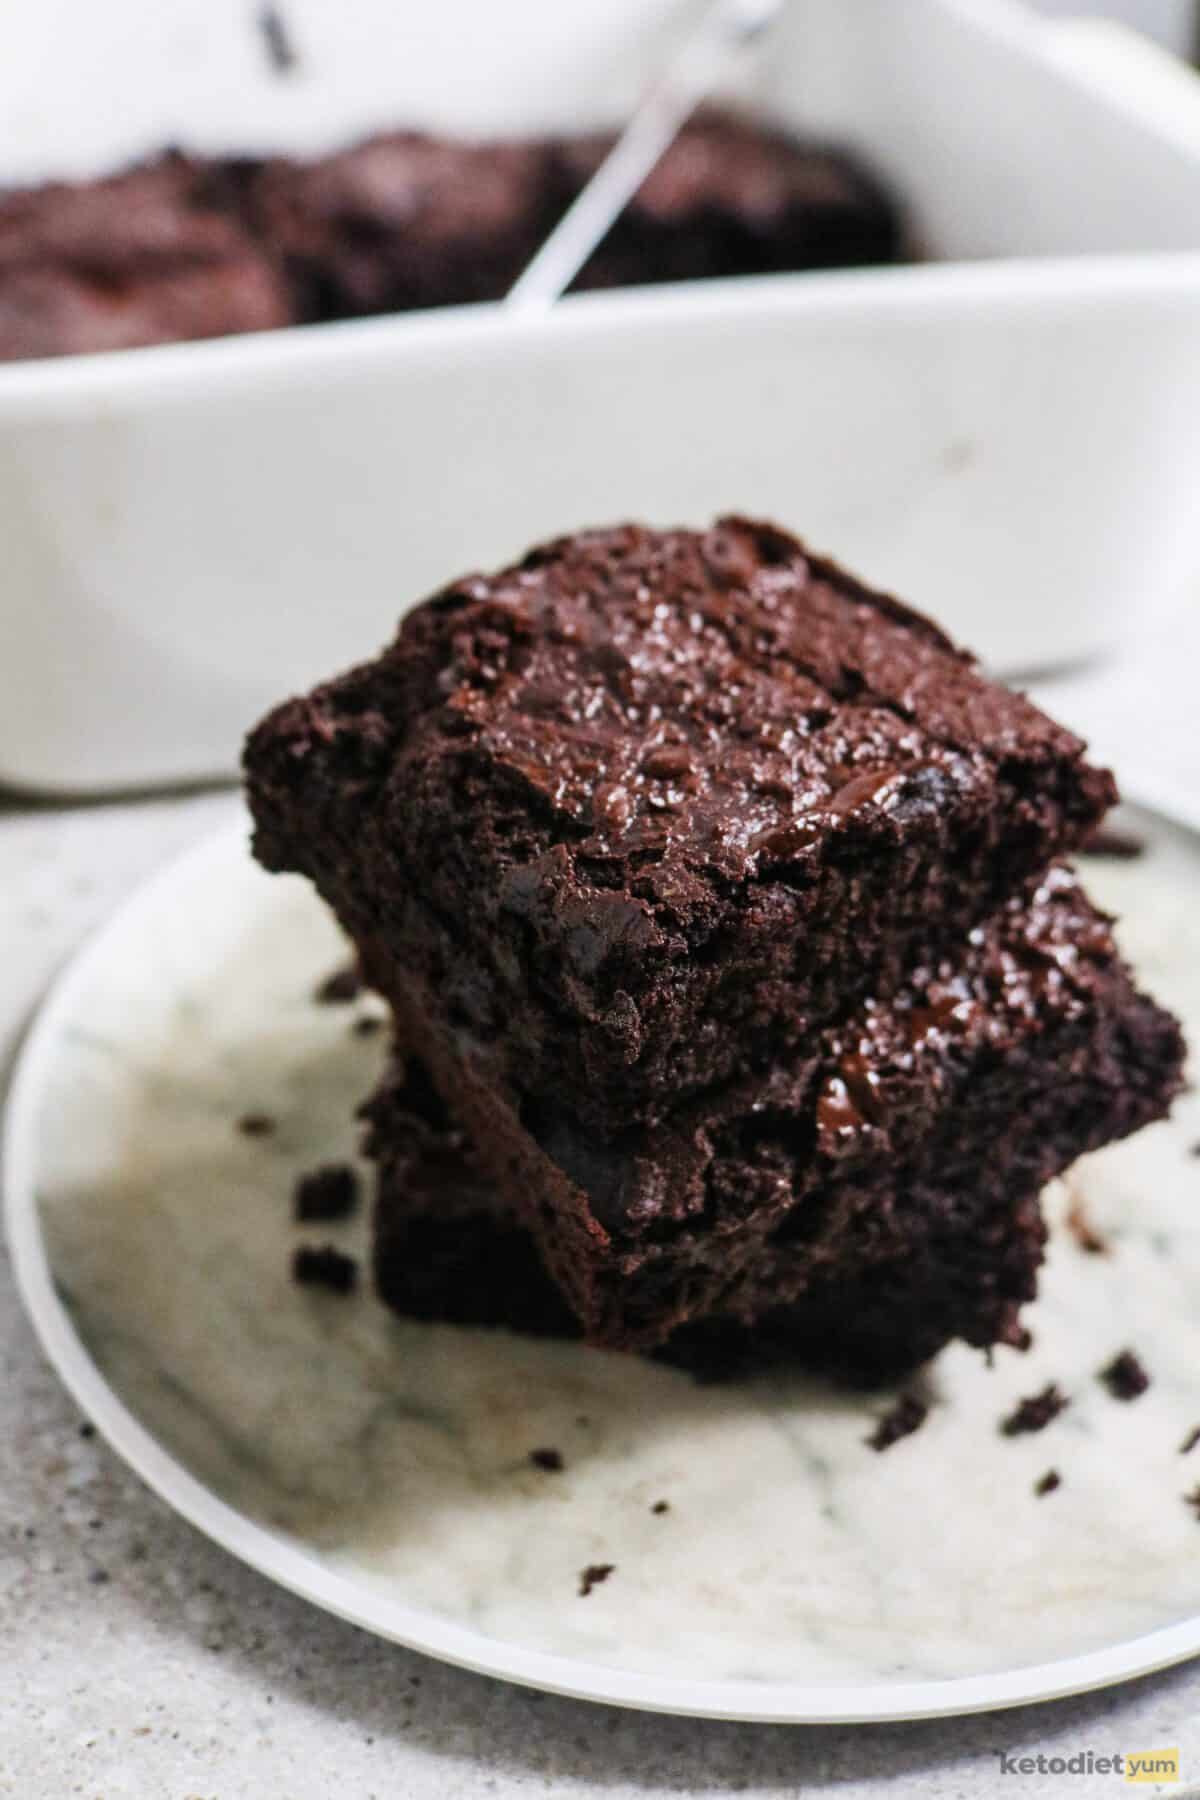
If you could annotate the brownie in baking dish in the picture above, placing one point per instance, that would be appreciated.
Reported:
(193, 247)
(151, 256)
(635, 816)
(734, 197)
(404, 220)
(857, 1207)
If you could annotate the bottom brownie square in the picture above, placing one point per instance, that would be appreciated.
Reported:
(894, 1169)
(854, 1212)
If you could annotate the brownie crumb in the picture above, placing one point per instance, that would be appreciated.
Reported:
(661, 1506)
(327, 1193)
(550, 1460)
(592, 1576)
(1036, 1412)
(340, 988)
(1083, 1231)
(1195, 1150)
(1193, 1500)
(256, 1125)
(1107, 840)
(277, 40)
(1049, 1481)
(1190, 1441)
(368, 1025)
(907, 1416)
(1124, 1377)
(88, 1430)
(324, 1267)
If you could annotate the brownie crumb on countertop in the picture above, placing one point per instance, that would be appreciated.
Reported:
(1190, 1441)
(1124, 1376)
(907, 1416)
(325, 1267)
(330, 1192)
(661, 1506)
(550, 1460)
(1083, 1231)
(592, 1576)
(1049, 1481)
(340, 988)
(1036, 1412)
(255, 1124)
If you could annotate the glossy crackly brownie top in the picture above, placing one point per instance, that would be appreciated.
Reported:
(723, 692)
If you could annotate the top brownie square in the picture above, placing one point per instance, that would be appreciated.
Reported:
(646, 809)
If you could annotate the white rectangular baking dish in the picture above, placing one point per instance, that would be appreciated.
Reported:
(1010, 436)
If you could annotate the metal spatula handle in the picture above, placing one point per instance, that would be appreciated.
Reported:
(726, 28)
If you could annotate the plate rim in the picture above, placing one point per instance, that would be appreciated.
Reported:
(283, 1560)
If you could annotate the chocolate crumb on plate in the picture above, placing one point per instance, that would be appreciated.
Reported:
(323, 1266)
(1109, 840)
(1082, 1229)
(1190, 1441)
(330, 1192)
(256, 1124)
(1049, 1481)
(1124, 1376)
(907, 1416)
(340, 988)
(1193, 1500)
(661, 1506)
(1035, 1412)
(549, 1460)
(592, 1576)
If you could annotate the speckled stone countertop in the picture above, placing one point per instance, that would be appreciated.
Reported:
(138, 1660)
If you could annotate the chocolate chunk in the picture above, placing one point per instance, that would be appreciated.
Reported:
(1124, 1376)
(905, 1417)
(593, 1575)
(256, 1125)
(1035, 1413)
(550, 1460)
(1048, 1482)
(340, 988)
(326, 1193)
(324, 1267)
(1108, 840)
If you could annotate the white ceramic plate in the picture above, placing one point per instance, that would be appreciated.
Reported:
(382, 1469)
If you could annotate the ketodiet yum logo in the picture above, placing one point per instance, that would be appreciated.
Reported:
(1144, 1766)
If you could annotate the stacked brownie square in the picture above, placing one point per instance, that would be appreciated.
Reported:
(745, 1003)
